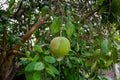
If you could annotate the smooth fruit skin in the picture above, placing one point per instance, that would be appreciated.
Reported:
(60, 46)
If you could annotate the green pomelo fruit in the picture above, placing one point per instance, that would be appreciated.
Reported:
(60, 46)
(116, 7)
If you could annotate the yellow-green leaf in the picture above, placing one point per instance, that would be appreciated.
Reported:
(94, 66)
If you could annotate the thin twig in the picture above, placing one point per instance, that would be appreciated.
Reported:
(1, 48)
(87, 16)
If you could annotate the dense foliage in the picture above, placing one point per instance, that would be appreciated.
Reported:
(92, 27)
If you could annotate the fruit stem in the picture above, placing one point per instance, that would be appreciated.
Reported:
(59, 69)
(61, 33)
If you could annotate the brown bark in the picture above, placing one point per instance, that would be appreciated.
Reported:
(8, 68)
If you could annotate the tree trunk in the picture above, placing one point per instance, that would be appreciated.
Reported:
(7, 68)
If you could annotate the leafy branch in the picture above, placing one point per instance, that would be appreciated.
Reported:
(28, 34)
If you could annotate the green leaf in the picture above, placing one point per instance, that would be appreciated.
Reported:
(49, 59)
(99, 2)
(36, 75)
(49, 71)
(101, 63)
(102, 9)
(117, 44)
(33, 75)
(30, 59)
(107, 77)
(115, 7)
(11, 3)
(56, 24)
(68, 63)
(39, 66)
(27, 53)
(87, 54)
(30, 66)
(104, 46)
(88, 63)
(23, 59)
(70, 28)
(97, 52)
(28, 76)
(108, 63)
(94, 66)
(77, 47)
(36, 57)
(75, 59)
(54, 70)
(38, 48)
(115, 55)
(44, 10)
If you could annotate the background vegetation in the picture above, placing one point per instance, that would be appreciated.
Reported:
(28, 26)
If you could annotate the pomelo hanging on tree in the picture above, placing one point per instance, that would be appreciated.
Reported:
(60, 46)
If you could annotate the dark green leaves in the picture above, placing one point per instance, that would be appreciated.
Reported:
(99, 2)
(33, 76)
(36, 76)
(44, 10)
(11, 3)
(116, 7)
(56, 24)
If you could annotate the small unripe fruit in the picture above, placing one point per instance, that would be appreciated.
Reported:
(60, 46)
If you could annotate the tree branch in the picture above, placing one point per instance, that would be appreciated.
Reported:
(1, 48)
(19, 11)
(87, 16)
(15, 49)
(17, 53)
(30, 32)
